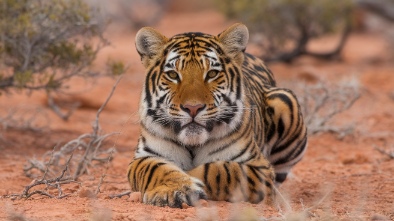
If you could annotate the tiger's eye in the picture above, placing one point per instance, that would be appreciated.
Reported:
(212, 73)
(172, 74)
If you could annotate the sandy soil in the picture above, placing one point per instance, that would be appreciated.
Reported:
(339, 179)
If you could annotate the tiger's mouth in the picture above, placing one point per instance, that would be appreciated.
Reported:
(193, 128)
(194, 133)
(193, 125)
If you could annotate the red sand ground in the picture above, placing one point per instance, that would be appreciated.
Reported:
(356, 179)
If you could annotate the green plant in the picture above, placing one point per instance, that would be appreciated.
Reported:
(286, 26)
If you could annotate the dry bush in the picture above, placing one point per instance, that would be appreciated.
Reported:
(321, 102)
(25, 118)
(137, 13)
(14, 216)
(283, 28)
(383, 8)
(66, 164)
(387, 150)
(45, 43)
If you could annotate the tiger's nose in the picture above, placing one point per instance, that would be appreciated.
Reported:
(193, 110)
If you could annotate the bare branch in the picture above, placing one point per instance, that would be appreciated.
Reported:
(81, 168)
(322, 102)
(126, 193)
(384, 8)
(58, 112)
(286, 28)
(90, 144)
(384, 152)
(49, 182)
(105, 171)
(25, 118)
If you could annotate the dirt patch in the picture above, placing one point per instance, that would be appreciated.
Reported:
(350, 174)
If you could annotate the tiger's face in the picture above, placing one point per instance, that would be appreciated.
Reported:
(193, 89)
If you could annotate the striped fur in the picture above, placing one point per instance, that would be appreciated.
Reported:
(213, 123)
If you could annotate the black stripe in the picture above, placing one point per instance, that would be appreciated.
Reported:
(218, 187)
(142, 176)
(152, 171)
(280, 177)
(289, 156)
(239, 85)
(267, 184)
(243, 176)
(136, 167)
(151, 151)
(232, 77)
(206, 170)
(283, 97)
(251, 181)
(242, 151)
(228, 178)
(236, 130)
(148, 95)
(302, 146)
(280, 128)
(153, 81)
(253, 169)
(128, 177)
(271, 130)
(165, 176)
(161, 100)
(251, 156)
(284, 146)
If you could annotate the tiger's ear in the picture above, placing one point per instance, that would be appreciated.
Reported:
(149, 43)
(234, 39)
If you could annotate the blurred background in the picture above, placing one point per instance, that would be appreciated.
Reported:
(282, 29)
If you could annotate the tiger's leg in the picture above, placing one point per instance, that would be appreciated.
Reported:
(232, 181)
(162, 183)
(286, 132)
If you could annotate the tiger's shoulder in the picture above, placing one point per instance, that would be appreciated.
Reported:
(254, 69)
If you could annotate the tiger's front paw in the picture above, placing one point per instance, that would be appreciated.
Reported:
(174, 194)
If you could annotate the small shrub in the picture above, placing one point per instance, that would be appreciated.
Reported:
(45, 43)
(322, 102)
(286, 26)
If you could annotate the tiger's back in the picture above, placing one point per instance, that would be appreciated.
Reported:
(213, 122)
(278, 123)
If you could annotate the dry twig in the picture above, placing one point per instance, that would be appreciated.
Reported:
(14, 216)
(25, 118)
(96, 139)
(56, 109)
(384, 152)
(90, 144)
(126, 193)
(321, 102)
(104, 174)
(50, 183)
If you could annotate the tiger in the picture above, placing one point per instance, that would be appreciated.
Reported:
(214, 125)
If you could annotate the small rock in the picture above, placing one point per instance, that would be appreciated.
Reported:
(248, 214)
(3, 192)
(135, 197)
(202, 203)
(86, 193)
(185, 206)
(378, 217)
